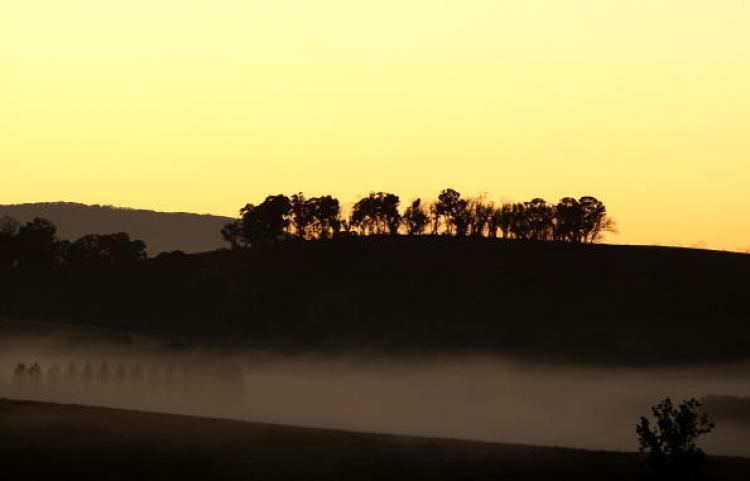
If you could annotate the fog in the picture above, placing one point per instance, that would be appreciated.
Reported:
(468, 397)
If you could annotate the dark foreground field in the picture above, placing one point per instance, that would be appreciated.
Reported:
(430, 294)
(47, 441)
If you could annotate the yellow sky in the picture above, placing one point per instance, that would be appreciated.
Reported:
(204, 105)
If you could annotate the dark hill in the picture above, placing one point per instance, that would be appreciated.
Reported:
(728, 409)
(162, 231)
(536, 300)
(46, 441)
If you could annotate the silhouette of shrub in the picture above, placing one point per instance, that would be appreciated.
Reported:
(671, 441)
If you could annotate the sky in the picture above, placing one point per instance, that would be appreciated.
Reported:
(205, 105)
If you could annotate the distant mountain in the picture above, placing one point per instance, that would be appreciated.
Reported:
(162, 231)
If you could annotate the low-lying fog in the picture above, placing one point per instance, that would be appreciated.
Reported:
(472, 397)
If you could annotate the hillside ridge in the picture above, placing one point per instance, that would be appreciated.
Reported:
(161, 231)
(523, 298)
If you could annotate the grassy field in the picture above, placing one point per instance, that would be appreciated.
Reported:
(47, 441)
(539, 300)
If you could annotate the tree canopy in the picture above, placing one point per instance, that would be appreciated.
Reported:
(34, 246)
(279, 217)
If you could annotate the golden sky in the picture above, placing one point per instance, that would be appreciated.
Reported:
(203, 105)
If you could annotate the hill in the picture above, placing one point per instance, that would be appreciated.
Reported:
(605, 303)
(48, 441)
(728, 409)
(162, 231)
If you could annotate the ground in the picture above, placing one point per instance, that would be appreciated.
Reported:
(46, 441)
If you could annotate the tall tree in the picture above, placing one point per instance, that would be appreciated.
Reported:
(593, 219)
(302, 217)
(539, 219)
(461, 218)
(390, 214)
(503, 219)
(325, 213)
(567, 220)
(377, 214)
(519, 221)
(480, 217)
(415, 218)
(37, 243)
(265, 223)
(454, 211)
(435, 213)
(364, 216)
(447, 207)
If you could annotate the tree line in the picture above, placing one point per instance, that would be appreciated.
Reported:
(582, 220)
(35, 245)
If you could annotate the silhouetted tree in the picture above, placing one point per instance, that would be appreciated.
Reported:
(96, 249)
(390, 213)
(454, 211)
(37, 237)
(232, 233)
(37, 244)
(519, 226)
(671, 442)
(447, 207)
(480, 217)
(539, 219)
(8, 230)
(568, 220)
(502, 219)
(364, 215)
(415, 218)
(325, 213)
(314, 218)
(8, 226)
(493, 224)
(594, 219)
(263, 224)
(302, 217)
(461, 218)
(435, 212)
(377, 214)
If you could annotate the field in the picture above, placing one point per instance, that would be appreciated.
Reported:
(47, 441)
(535, 300)
(520, 342)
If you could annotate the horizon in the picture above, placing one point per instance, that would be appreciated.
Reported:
(194, 107)
(346, 207)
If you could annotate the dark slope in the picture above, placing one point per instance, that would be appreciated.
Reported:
(729, 410)
(47, 441)
(576, 302)
(162, 231)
